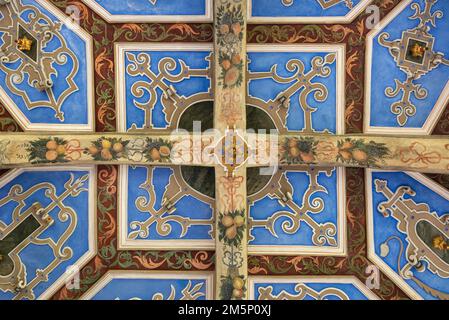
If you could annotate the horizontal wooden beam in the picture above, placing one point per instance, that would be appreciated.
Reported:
(411, 153)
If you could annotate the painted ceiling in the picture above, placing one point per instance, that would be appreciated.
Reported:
(149, 232)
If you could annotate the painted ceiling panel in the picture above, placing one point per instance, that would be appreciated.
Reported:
(309, 288)
(408, 50)
(46, 226)
(290, 11)
(314, 232)
(158, 213)
(308, 79)
(154, 82)
(47, 80)
(311, 221)
(128, 285)
(152, 10)
(409, 231)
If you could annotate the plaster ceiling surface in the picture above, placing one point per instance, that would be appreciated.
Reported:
(106, 231)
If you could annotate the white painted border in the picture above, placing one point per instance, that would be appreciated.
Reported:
(145, 274)
(20, 117)
(121, 48)
(122, 18)
(124, 243)
(252, 280)
(92, 218)
(370, 225)
(437, 110)
(340, 60)
(339, 250)
(348, 18)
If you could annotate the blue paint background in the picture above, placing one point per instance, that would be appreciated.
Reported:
(266, 207)
(162, 7)
(386, 227)
(299, 8)
(349, 289)
(268, 89)
(384, 67)
(75, 107)
(187, 87)
(125, 289)
(38, 257)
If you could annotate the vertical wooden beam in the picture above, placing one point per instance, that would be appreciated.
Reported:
(230, 120)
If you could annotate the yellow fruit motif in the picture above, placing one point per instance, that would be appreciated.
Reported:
(224, 29)
(239, 221)
(226, 64)
(293, 143)
(236, 28)
(60, 150)
(294, 152)
(106, 154)
(359, 155)
(155, 155)
(238, 283)
(227, 221)
(346, 155)
(231, 232)
(93, 150)
(106, 144)
(51, 155)
(307, 157)
(236, 59)
(346, 145)
(51, 145)
(231, 76)
(164, 151)
(236, 293)
(117, 147)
